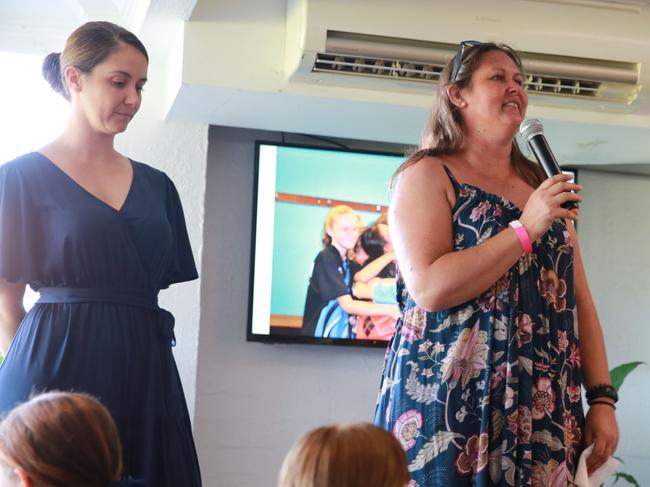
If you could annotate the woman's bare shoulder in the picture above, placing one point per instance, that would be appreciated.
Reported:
(425, 180)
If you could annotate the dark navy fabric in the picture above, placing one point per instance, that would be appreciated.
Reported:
(97, 327)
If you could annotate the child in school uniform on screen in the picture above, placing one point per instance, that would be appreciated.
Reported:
(329, 304)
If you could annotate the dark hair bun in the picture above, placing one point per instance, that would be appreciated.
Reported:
(52, 72)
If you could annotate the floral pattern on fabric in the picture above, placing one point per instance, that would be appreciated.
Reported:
(488, 392)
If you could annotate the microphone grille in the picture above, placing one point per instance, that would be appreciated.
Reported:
(530, 128)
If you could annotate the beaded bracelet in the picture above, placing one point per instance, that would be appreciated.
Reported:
(595, 401)
(602, 390)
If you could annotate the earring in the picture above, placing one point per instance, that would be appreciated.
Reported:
(462, 104)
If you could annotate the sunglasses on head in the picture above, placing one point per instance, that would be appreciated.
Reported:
(458, 60)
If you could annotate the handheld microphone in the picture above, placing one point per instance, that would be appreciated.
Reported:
(533, 132)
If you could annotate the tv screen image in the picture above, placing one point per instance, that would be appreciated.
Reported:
(297, 280)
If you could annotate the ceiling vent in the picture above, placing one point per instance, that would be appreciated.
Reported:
(366, 58)
(421, 63)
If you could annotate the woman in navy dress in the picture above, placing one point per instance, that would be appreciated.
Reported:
(98, 235)
(482, 381)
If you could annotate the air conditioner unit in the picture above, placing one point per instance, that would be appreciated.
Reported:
(585, 54)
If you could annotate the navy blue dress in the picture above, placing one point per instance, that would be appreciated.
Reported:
(97, 327)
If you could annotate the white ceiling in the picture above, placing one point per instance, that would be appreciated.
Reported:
(228, 67)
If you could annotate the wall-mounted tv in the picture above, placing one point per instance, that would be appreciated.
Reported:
(302, 288)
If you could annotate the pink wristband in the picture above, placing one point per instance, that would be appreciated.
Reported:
(522, 235)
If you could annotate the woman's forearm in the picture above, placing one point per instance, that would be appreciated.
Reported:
(462, 275)
(595, 369)
(9, 321)
(11, 312)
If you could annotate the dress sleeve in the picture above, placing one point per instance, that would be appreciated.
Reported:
(19, 239)
(181, 267)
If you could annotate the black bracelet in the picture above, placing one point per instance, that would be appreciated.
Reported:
(596, 401)
(602, 390)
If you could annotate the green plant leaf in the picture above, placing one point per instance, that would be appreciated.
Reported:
(625, 476)
(618, 374)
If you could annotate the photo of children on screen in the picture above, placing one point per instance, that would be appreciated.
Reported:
(331, 310)
(375, 280)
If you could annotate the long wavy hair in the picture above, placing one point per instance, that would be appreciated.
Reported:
(444, 132)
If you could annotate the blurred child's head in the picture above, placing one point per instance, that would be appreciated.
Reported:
(354, 455)
(342, 226)
(59, 439)
(375, 240)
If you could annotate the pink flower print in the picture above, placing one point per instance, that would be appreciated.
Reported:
(413, 324)
(498, 376)
(572, 433)
(413, 483)
(567, 238)
(524, 331)
(437, 348)
(521, 424)
(549, 474)
(474, 456)
(407, 427)
(466, 357)
(552, 289)
(480, 210)
(525, 431)
(562, 341)
(574, 356)
(498, 211)
(424, 347)
(575, 392)
(467, 192)
(543, 398)
(513, 422)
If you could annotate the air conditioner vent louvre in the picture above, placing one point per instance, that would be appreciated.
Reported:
(379, 67)
(430, 73)
(420, 63)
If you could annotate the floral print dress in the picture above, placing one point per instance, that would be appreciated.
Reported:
(489, 392)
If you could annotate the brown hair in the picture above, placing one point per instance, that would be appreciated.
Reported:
(355, 455)
(87, 47)
(62, 439)
(334, 213)
(443, 134)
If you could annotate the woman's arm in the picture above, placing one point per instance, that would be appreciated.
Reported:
(364, 308)
(601, 427)
(421, 231)
(11, 311)
(373, 269)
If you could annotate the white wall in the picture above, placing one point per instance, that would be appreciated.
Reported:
(614, 236)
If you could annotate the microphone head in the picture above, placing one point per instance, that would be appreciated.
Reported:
(530, 128)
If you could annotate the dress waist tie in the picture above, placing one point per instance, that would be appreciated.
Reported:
(142, 298)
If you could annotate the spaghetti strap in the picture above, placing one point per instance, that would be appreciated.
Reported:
(453, 180)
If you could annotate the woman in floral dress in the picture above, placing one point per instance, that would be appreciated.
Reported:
(482, 381)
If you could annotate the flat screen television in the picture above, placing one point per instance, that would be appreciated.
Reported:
(296, 187)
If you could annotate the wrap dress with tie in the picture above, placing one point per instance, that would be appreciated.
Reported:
(97, 327)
